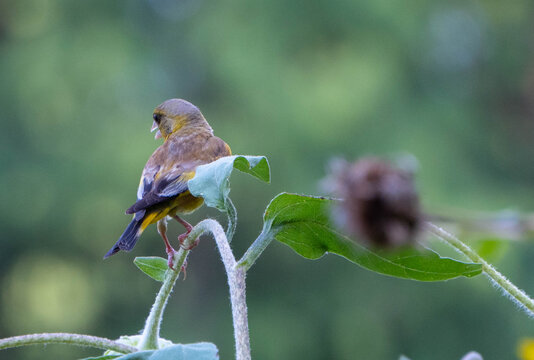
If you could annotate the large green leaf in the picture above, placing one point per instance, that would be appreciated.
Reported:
(302, 222)
(153, 266)
(198, 351)
(212, 183)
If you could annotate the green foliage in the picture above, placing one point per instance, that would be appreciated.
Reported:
(302, 222)
(212, 183)
(153, 266)
(198, 351)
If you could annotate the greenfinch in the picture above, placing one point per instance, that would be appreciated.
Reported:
(163, 192)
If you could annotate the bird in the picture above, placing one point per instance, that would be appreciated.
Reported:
(163, 192)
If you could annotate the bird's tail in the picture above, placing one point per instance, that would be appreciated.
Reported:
(129, 237)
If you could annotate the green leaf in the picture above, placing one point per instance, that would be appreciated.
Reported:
(153, 266)
(198, 351)
(302, 222)
(212, 183)
(103, 357)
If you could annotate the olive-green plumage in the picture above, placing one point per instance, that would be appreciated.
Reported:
(188, 143)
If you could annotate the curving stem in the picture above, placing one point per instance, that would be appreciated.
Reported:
(66, 338)
(516, 294)
(236, 282)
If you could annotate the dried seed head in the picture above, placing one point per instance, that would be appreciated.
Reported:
(379, 202)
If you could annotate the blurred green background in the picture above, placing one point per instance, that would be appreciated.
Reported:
(451, 82)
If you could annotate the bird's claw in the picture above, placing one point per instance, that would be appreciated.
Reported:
(170, 258)
(184, 269)
(181, 240)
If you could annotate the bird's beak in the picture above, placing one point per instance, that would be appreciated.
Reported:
(158, 133)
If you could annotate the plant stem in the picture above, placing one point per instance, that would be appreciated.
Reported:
(254, 251)
(236, 282)
(237, 285)
(150, 336)
(231, 212)
(517, 295)
(64, 338)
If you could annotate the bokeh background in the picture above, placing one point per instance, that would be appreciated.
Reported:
(451, 82)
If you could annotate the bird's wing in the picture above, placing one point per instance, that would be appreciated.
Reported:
(147, 179)
(164, 186)
(170, 168)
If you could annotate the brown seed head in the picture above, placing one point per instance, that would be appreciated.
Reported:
(379, 202)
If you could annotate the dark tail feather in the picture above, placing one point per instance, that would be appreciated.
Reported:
(128, 238)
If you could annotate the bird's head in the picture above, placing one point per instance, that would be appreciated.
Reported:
(176, 114)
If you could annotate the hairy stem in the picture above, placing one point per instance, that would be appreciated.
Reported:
(254, 251)
(236, 283)
(150, 336)
(518, 295)
(64, 338)
(231, 212)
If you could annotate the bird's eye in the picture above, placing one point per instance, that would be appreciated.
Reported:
(157, 117)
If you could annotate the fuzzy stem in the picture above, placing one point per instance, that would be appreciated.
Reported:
(150, 336)
(518, 295)
(255, 250)
(231, 212)
(236, 283)
(64, 338)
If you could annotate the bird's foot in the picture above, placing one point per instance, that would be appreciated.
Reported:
(170, 257)
(184, 269)
(181, 240)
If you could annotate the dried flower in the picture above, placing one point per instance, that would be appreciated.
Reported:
(379, 202)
